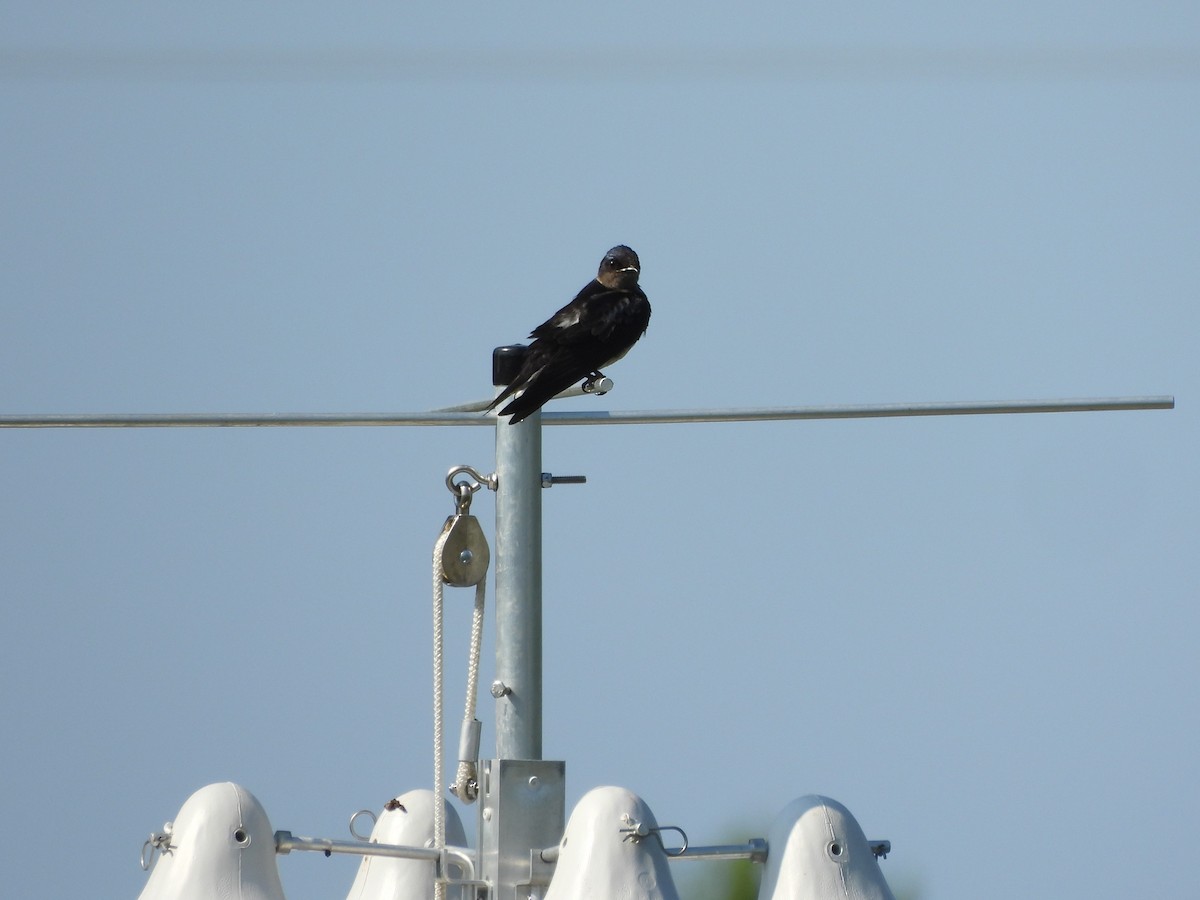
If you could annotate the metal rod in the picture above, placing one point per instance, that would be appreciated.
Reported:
(887, 410)
(602, 417)
(233, 420)
(286, 842)
(755, 851)
(519, 589)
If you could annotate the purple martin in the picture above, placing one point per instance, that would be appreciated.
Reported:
(591, 332)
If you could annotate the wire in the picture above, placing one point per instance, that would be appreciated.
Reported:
(604, 64)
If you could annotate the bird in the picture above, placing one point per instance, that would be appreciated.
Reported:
(591, 332)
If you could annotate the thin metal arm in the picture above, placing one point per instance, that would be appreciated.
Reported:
(602, 417)
(286, 842)
(886, 410)
(754, 850)
(233, 420)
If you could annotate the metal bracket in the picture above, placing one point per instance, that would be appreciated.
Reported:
(521, 810)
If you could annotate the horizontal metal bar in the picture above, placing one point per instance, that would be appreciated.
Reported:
(633, 417)
(888, 410)
(286, 842)
(234, 420)
(755, 851)
(622, 64)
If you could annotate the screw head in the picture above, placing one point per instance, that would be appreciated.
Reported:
(465, 557)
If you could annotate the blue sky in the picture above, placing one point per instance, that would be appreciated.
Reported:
(976, 633)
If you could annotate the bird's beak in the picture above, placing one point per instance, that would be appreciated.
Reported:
(629, 269)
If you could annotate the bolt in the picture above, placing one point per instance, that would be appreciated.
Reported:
(500, 689)
(533, 782)
(465, 557)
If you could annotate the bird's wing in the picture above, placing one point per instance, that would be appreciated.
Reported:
(595, 328)
(594, 312)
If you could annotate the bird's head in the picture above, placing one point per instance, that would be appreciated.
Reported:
(619, 269)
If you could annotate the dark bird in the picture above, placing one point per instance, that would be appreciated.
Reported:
(591, 332)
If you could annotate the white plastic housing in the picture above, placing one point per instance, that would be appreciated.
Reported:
(411, 825)
(222, 845)
(817, 851)
(597, 858)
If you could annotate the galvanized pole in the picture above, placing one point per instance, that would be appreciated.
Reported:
(518, 690)
(522, 797)
(518, 687)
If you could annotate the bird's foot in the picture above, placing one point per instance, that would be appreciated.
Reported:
(597, 383)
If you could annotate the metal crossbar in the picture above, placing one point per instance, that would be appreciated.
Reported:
(603, 417)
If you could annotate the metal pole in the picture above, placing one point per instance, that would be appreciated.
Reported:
(518, 690)
(522, 796)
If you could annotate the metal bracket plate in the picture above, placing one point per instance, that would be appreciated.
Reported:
(522, 808)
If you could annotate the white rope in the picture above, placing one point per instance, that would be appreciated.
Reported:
(466, 768)
(465, 784)
(439, 812)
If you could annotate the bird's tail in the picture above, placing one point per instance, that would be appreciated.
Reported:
(519, 410)
(533, 398)
(502, 396)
